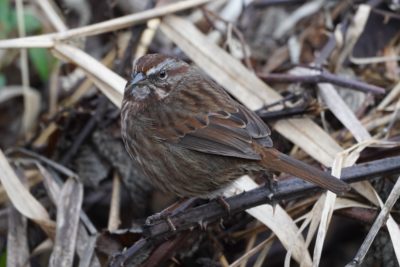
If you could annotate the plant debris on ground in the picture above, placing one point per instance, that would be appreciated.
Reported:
(324, 75)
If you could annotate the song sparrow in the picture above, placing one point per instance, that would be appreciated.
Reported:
(190, 137)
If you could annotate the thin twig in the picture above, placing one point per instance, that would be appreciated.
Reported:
(272, 115)
(386, 13)
(49, 40)
(330, 45)
(86, 131)
(322, 77)
(231, 28)
(380, 220)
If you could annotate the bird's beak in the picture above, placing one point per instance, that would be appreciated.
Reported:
(138, 77)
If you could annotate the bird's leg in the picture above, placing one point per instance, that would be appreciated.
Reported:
(170, 211)
(271, 183)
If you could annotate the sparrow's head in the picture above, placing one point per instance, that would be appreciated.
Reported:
(154, 76)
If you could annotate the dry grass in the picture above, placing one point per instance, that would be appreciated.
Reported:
(68, 234)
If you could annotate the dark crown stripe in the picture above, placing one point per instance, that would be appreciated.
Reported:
(149, 61)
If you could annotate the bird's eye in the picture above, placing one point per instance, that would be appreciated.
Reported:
(162, 75)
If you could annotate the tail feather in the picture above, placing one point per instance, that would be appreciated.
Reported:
(273, 159)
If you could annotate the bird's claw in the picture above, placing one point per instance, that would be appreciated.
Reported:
(166, 216)
(225, 205)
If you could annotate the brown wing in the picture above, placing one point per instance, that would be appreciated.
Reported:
(227, 128)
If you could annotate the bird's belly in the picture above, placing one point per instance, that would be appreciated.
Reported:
(188, 173)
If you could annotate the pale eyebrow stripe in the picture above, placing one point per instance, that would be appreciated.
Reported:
(159, 67)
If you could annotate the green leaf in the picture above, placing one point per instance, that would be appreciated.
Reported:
(9, 22)
(32, 24)
(3, 80)
(3, 259)
(5, 23)
(42, 61)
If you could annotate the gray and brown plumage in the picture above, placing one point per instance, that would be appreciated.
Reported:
(190, 137)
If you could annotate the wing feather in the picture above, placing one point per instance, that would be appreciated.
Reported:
(227, 128)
